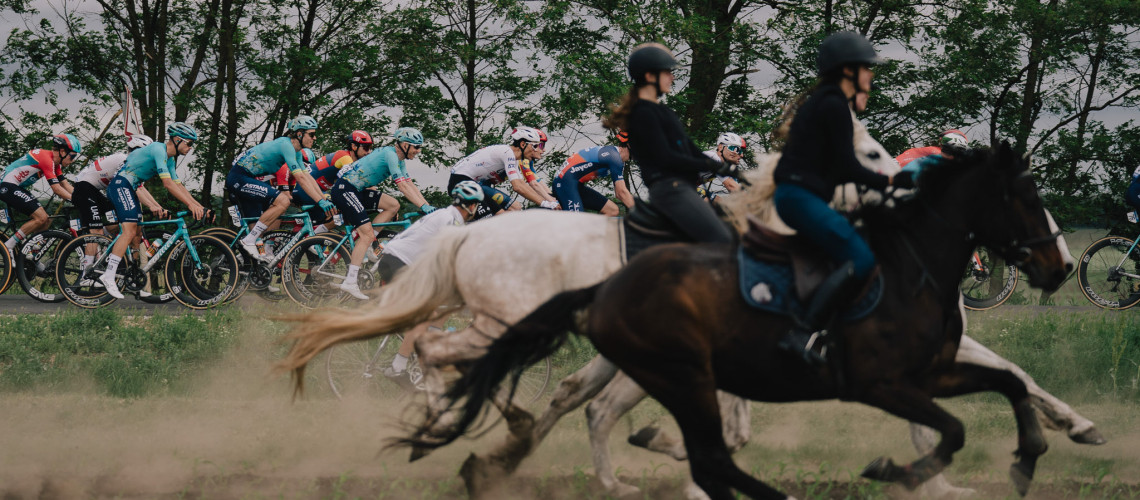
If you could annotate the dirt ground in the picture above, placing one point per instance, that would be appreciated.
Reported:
(237, 434)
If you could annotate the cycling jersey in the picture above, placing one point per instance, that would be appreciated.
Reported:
(491, 165)
(146, 162)
(267, 157)
(590, 163)
(411, 243)
(713, 183)
(30, 167)
(328, 167)
(375, 168)
(916, 153)
(100, 173)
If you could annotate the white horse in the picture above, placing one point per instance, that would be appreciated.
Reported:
(501, 269)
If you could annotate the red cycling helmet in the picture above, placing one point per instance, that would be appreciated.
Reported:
(359, 137)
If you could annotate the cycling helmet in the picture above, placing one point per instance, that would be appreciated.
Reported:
(731, 139)
(68, 142)
(302, 122)
(542, 136)
(466, 192)
(843, 49)
(359, 137)
(622, 137)
(649, 58)
(183, 130)
(138, 141)
(954, 137)
(408, 135)
(527, 134)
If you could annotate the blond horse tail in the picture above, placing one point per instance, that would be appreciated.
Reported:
(414, 296)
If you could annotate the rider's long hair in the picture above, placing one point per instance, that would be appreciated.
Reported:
(619, 114)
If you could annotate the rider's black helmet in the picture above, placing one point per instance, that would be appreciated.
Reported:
(649, 58)
(843, 49)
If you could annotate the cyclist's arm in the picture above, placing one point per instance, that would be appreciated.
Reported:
(61, 191)
(308, 184)
(730, 184)
(181, 194)
(411, 192)
(148, 199)
(521, 187)
(542, 190)
(623, 194)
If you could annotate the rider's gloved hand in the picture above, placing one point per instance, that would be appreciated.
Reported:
(327, 206)
(552, 205)
(729, 170)
(903, 180)
(426, 208)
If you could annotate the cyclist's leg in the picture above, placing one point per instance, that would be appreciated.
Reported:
(347, 201)
(321, 222)
(387, 205)
(596, 202)
(497, 201)
(566, 191)
(21, 201)
(126, 205)
(91, 204)
(256, 199)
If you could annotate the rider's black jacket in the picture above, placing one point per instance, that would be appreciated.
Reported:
(662, 149)
(819, 154)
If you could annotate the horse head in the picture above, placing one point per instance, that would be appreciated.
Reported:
(1006, 214)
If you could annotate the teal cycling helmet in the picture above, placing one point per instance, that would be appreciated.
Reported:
(68, 142)
(183, 130)
(466, 192)
(302, 122)
(408, 135)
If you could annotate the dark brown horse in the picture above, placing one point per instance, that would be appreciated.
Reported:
(674, 321)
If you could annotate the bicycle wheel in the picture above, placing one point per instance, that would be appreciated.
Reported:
(268, 282)
(35, 265)
(356, 368)
(222, 233)
(6, 270)
(988, 281)
(76, 284)
(205, 283)
(311, 269)
(1109, 275)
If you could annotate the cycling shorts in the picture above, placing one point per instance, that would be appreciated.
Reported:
(124, 200)
(92, 204)
(251, 195)
(578, 197)
(18, 198)
(388, 266)
(316, 215)
(347, 200)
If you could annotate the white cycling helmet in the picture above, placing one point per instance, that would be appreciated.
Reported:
(731, 139)
(138, 141)
(526, 134)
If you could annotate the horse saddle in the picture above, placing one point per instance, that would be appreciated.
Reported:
(778, 273)
(645, 226)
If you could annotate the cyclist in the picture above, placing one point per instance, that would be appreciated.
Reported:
(327, 169)
(155, 159)
(670, 163)
(818, 154)
(570, 183)
(949, 142)
(466, 197)
(494, 164)
(1132, 196)
(257, 198)
(387, 162)
(729, 150)
(24, 172)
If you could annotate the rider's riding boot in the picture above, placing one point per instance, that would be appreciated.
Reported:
(808, 331)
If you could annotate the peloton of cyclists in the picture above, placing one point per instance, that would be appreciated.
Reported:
(495, 164)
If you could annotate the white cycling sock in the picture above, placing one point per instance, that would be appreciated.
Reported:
(88, 260)
(399, 363)
(15, 239)
(352, 272)
(112, 265)
(254, 233)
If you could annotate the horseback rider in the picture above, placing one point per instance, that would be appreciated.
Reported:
(671, 164)
(818, 155)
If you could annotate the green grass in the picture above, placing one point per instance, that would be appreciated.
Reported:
(122, 356)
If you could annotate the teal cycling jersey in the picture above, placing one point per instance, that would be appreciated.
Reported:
(267, 158)
(146, 162)
(375, 168)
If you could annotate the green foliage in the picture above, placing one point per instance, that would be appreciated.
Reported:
(124, 357)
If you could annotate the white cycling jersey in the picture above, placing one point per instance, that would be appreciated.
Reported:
(492, 164)
(100, 173)
(411, 243)
(714, 183)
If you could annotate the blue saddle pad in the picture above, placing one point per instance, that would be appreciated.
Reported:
(771, 287)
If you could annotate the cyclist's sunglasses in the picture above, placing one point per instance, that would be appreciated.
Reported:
(539, 145)
(366, 147)
(311, 134)
(735, 149)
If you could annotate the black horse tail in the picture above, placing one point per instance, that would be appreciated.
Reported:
(529, 341)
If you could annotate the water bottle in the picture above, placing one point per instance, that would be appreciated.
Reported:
(338, 219)
(260, 246)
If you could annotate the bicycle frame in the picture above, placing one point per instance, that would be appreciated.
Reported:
(180, 234)
(349, 241)
(278, 254)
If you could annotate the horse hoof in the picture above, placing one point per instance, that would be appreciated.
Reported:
(1088, 436)
(1022, 477)
(694, 492)
(642, 438)
(881, 469)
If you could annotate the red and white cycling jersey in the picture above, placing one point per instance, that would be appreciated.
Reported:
(492, 164)
(100, 173)
(30, 167)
